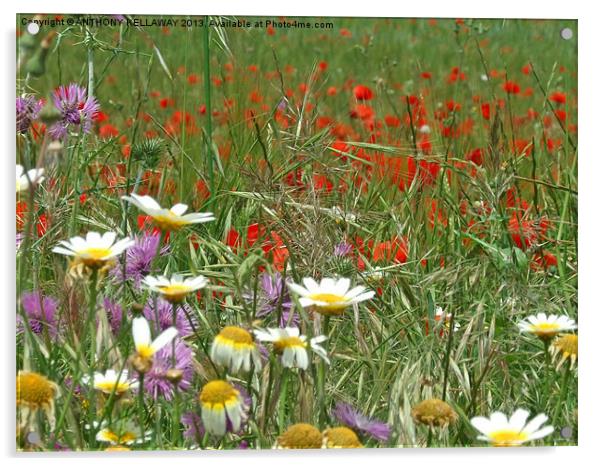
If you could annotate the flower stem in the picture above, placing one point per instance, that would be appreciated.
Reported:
(141, 403)
(562, 395)
(175, 433)
(92, 355)
(208, 113)
(322, 378)
(282, 399)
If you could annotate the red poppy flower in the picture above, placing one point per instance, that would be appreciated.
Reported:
(486, 111)
(511, 87)
(362, 92)
(392, 121)
(475, 156)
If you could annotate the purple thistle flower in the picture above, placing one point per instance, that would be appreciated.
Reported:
(28, 109)
(20, 237)
(162, 318)
(114, 315)
(139, 258)
(155, 381)
(76, 108)
(193, 423)
(41, 313)
(342, 249)
(346, 414)
(273, 294)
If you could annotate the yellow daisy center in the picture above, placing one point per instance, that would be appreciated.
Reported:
(235, 336)
(145, 351)
(170, 221)
(330, 304)
(34, 390)
(300, 436)
(217, 393)
(175, 292)
(124, 438)
(341, 437)
(329, 298)
(94, 258)
(288, 342)
(109, 385)
(545, 328)
(96, 253)
(507, 438)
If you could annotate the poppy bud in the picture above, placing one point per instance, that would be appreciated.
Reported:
(36, 65)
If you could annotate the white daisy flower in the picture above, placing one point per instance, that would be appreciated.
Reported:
(126, 434)
(546, 326)
(221, 402)
(443, 319)
(331, 296)
(112, 382)
(25, 180)
(168, 219)
(94, 250)
(503, 432)
(176, 288)
(234, 348)
(145, 347)
(292, 346)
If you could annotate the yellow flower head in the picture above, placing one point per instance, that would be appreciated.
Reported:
(35, 392)
(300, 436)
(221, 402)
(330, 296)
(341, 437)
(235, 348)
(565, 348)
(168, 219)
(434, 413)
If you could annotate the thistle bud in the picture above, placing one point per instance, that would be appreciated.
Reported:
(174, 375)
(137, 309)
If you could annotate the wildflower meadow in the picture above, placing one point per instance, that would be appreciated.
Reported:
(283, 233)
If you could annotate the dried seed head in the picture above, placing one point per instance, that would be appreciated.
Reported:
(434, 413)
(341, 437)
(300, 436)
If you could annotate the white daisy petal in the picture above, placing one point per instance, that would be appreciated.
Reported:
(141, 332)
(163, 339)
